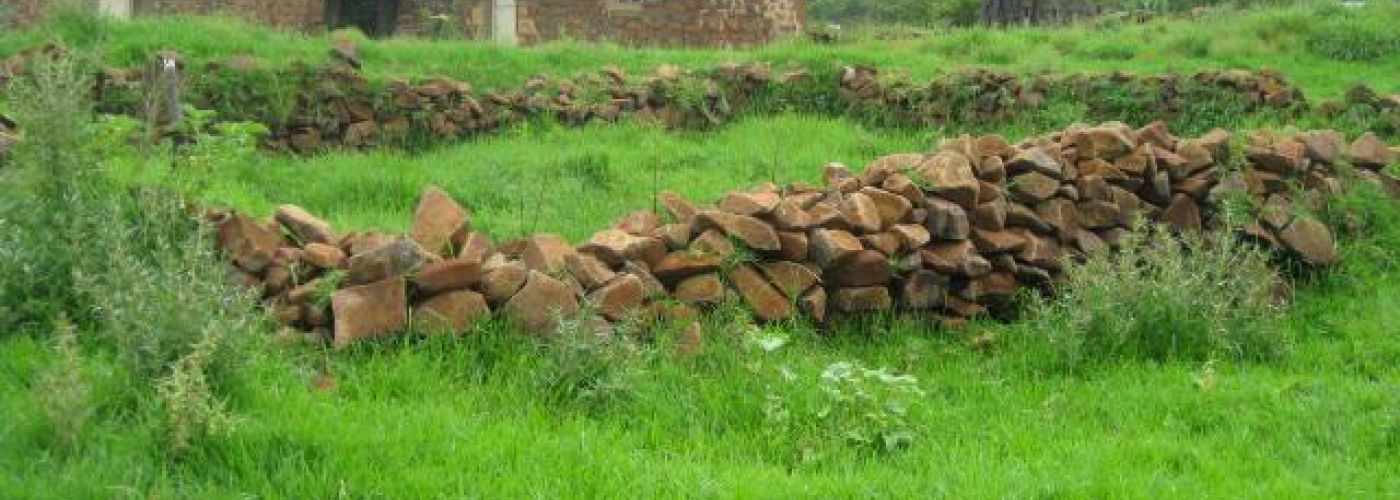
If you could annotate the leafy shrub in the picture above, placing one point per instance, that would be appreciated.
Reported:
(1162, 297)
(868, 409)
(192, 411)
(64, 394)
(133, 266)
(584, 366)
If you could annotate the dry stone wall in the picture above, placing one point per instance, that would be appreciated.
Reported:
(309, 108)
(956, 232)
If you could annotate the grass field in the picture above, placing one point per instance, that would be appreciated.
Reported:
(490, 414)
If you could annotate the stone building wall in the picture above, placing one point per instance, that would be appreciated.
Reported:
(711, 23)
(295, 14)
(661, 22)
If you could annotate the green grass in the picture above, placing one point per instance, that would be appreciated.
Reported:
(462, 419)
(1294, 39)
(453, 417)
(468, 417)
(553, 179)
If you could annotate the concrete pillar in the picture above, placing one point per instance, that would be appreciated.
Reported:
(120, 9)
(503, 22)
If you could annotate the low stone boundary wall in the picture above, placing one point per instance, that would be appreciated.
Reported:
(956, 231)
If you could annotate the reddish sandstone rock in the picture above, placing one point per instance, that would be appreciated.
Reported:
(1310, 240)
(956, 258)
(1182, 214)
(677, 266)
(706, 289)
(539, 303)
(791, 278)
(452, 311)
(448, 275)
(831, 247)
(990, 215)
(924, 289)
(680, 209)
(1033, 188)
(1323, 145)
(891, 207)
(787, 215)
(545, 252)
(990, 242)
(1106, 143)
(714, 242)
(768, 303)
(436, 220)
(501, 282)
(1370, 152)
(863, 268)
(613, 246)
(304, 226)
(639, 223)
(367, 311)
(886, 243)
(323, 256)
(250, 245)
(911, 236)
(750, 231)
(397, 258)
(946, 220)
(795, 246)
(861, 212)
(750, 203)
(619, 298)
(588, 270)
(1037, 160)
(949, 175)
(651, 287)
(863, 299)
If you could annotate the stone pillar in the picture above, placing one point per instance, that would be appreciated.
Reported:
(503, 22)
(120, 9)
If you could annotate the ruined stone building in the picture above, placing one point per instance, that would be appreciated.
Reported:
(710, 23)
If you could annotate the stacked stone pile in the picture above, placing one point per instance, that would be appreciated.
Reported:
(957, 232)
(981, 94)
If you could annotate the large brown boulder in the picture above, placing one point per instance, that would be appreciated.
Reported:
(831, 247)
(949, 175)
(249, 244)
(452, 311)
(374, 310)
(947, 220)
(863, 268)
(767, 302)
(538, 304)
(791, 278)
(447, 275)
(305, 227)
(397, 258)
(1370, 152)
(706, 289)
(1311, 241)
(861, 212)
(677, 266)
(752, 232)
(619, 298)
(436, 220)
(546, 252)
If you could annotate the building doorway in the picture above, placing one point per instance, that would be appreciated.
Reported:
(375, 18)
